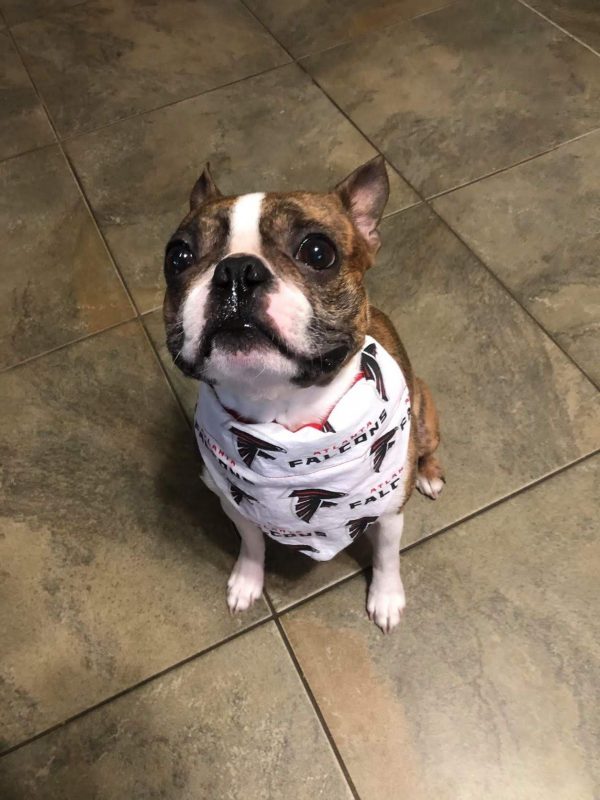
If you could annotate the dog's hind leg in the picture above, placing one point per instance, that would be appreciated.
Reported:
(430, 475)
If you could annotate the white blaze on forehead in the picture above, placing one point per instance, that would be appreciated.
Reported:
(244, 219)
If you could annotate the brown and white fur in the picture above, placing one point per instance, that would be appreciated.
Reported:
(280, 340)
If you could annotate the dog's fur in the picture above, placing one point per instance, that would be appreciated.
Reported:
(299, 332)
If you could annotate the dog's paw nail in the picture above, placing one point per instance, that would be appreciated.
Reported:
(244, 587)
(430, 487)
(385, 608)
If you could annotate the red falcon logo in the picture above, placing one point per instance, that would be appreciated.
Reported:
(311, 500)
(250, 446)
(356, 527)
(372, 370)
(381, 447)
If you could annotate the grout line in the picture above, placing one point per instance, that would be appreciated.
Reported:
(75, 176)
(140, 684)
(100, 233)
(80, 134)
(507, 168)
(64, 345)
(166, 376)
(446, 528)
(560, 28)
(316, 708)
(509, 292)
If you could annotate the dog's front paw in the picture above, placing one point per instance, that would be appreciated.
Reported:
(245, 585)
(430, 487)
(385, 603)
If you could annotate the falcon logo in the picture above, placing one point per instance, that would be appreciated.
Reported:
(372, 370)
(239, 494)
(311, 500)
(381, 447)
(251, 446)
(328, 427)
(356, 527)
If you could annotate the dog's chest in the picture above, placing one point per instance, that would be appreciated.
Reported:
(319, 488)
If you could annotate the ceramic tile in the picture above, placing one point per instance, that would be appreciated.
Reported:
(23, 122)
(58, 281)
(489, 687)
(138, 174)
(16, 11)
(579, 17)
(186, 388)
(114, 557)
(536, 226)
(305, 26)
(234, 723)
(464, 91)
(107, 59)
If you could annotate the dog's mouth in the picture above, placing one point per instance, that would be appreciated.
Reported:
(238, 334)
(244, 335)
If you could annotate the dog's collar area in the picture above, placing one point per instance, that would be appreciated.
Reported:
(318, 425)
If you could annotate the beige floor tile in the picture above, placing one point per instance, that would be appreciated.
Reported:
(304, 26)
(58, 281)
(16, 11)
(106, 59)
(23, 122)
(273, 132)
(579, 17)
(114, 557)
(489, 688)
(536, 225)
(464, 91)
(235, 723)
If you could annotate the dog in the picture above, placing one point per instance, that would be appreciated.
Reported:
(312, 428)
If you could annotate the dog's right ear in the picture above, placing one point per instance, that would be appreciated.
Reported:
(204, 189)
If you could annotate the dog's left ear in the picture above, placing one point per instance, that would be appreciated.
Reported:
(204, 189)
(364, 194)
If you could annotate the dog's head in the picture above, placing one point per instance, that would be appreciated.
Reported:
(266, 290)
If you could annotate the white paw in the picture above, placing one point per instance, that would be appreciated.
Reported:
(431, 487)
(245, 585)
(385, 603)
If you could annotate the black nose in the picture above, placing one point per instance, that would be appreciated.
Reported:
(240, 273)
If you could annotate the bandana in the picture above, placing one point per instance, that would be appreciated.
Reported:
(318, 488)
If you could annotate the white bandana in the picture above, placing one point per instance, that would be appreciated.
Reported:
(313, 489)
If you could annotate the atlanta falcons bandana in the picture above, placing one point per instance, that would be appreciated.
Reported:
(319, 488)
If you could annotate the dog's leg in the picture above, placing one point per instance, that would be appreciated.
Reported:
(245, 583)
(386, 601)
(430, 475)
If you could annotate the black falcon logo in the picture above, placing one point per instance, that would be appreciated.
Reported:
(358, 526)
(381, 447)
(311, 500)
(328, 427)
(251, 446)
(239, 494)
(372, 370)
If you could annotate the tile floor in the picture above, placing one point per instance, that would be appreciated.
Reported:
(122, 676)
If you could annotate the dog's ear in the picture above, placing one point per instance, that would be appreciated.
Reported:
(364, 194)
(204, 189)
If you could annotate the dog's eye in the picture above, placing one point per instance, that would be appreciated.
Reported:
(316, 251)
(179, 257)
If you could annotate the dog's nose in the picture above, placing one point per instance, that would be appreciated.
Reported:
(240, 273)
